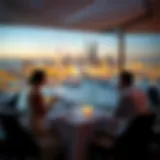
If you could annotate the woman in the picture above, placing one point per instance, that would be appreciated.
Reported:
(36, 103)
(37, 111)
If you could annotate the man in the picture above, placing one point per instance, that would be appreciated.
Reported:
(132, 100)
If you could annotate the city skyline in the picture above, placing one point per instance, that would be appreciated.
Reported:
(23, 41)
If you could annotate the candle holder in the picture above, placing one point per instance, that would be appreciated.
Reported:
(87, 111)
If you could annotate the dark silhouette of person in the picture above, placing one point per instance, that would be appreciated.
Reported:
(36, 103)
(133, 102)
(154, 96)
(38, 110)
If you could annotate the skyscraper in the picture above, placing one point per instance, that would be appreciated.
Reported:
(92, 51)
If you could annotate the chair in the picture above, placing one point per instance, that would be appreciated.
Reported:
(100, 146)
(19, 143)
(134, 143)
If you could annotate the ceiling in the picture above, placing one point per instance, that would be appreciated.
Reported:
(90, 15)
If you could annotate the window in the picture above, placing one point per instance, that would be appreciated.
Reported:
(143, 57)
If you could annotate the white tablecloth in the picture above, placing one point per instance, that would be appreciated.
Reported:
(76, 130)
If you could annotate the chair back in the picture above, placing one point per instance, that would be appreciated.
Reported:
(137, 138)
(140, 127)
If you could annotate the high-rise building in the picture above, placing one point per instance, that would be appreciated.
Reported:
(92, 51)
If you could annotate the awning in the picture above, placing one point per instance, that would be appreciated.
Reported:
(90, 15)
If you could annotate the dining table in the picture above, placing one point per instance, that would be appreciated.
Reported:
(76, 128)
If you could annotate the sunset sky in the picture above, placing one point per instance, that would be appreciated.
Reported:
(23, 41)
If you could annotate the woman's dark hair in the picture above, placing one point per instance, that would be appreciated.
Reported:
(127, 77)
(37, 77)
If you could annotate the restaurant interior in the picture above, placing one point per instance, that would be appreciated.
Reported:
(80, 123)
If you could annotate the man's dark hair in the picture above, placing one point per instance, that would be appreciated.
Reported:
(127, 77)
(37, 77)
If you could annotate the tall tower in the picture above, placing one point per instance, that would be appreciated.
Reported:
(92, 50)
